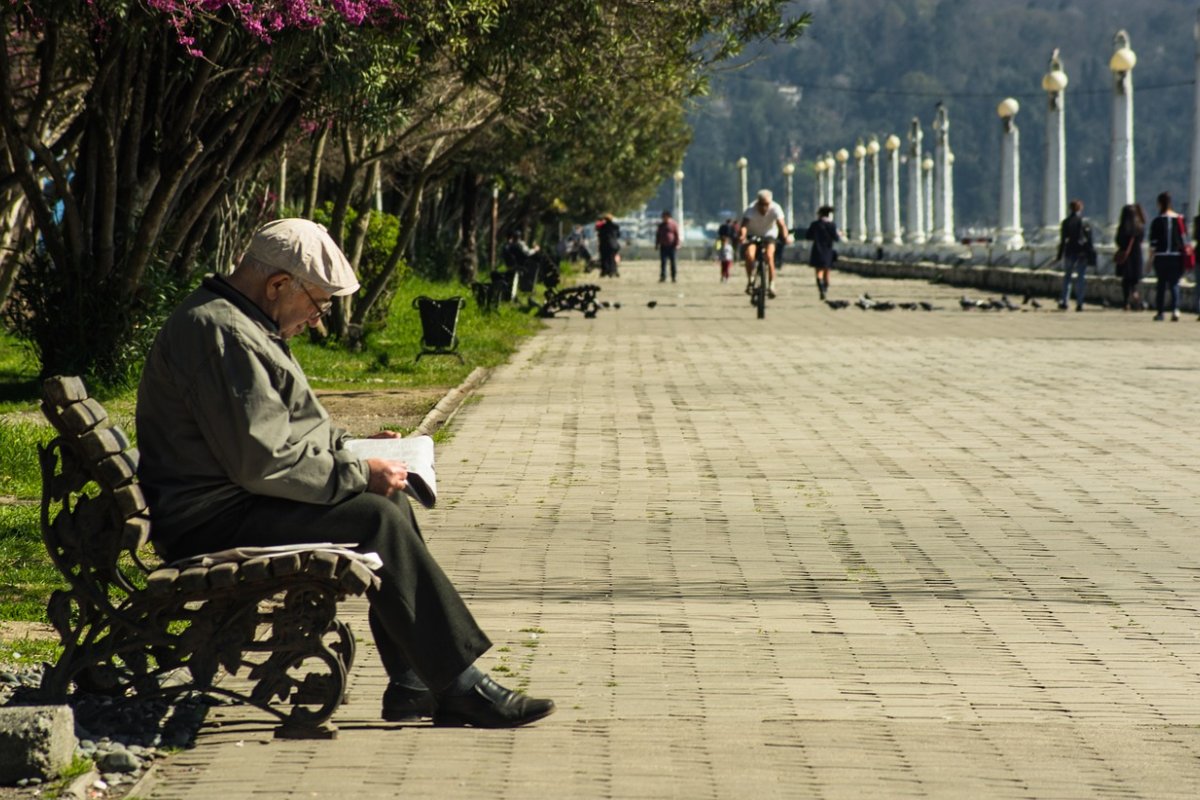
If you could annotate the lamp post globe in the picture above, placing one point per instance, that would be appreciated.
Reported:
(1054, 81)
(1123, 60)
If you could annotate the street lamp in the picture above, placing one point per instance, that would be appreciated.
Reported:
(819, 168)
(1010, 236)
(841, 157)
(788, 170)
(1120, 174)
(916, 197)
(927, 170)
(892, 231)
(678, 176)
(873, 227)
(860, 200)
(741, 165)
(1054, 186)
(943, 158)
(830, 174)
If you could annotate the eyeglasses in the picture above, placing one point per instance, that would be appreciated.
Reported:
(321, 309)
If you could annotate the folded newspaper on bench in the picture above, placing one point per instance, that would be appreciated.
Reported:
(371, 561)
(415, 451)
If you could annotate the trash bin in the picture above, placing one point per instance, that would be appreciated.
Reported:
(439, 326)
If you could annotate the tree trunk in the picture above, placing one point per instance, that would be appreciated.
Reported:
(468, 252)
(312, 181)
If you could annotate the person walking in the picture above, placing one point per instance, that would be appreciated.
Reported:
(822, 233)
(666, 239)
(725, 257)
(608, 238)
(1131, 230)
(1167, 237)
(1075, 250)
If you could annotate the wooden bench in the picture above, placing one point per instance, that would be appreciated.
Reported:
(132, 627)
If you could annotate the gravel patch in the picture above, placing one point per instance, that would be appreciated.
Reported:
(122, 739)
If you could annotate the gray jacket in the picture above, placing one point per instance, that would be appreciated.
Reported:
(225, 413)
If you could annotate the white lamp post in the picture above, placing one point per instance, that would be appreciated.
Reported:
(943, 228)
(741, 165)
(1010, 235)
(678, 176)
(915, 230)
(927, 170)
(840, 158)
(819, 169)
(1194, 183)
(859, 231)
(1054, 188)
(873, 230)
(830, 178)
(1120, 174)
(891, 233)
(789, 169)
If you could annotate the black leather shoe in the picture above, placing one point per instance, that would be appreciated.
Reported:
(402, 704)
(490, 705)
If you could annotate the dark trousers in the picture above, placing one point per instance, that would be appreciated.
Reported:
(666, 254)
(417, 617)
(1167, 270)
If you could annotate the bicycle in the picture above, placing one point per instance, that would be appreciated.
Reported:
(760, 283)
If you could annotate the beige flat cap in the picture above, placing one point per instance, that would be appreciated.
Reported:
(304, 249)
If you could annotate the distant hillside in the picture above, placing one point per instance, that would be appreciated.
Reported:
(869, 66)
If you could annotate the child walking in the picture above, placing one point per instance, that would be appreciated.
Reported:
(725, 256)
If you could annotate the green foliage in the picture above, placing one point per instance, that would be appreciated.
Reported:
(28, 576)
(383, 229)
(389, 356)
(20, 475)
(93, 333)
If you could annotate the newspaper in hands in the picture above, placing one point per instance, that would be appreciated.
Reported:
(415, 451)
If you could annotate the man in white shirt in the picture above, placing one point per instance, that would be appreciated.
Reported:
(763, 219)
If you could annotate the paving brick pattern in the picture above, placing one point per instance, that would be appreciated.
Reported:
(824, 554)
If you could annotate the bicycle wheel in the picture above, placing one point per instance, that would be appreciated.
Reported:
(760, 291)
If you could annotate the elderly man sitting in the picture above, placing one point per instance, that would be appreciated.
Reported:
(236, 450)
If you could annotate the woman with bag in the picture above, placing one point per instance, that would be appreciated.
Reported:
(1168, 244)
(1128, 257)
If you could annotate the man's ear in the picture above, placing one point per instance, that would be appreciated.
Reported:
(275, 284)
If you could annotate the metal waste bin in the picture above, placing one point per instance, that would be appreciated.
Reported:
(439, 326)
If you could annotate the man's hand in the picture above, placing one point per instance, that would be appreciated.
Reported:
(386, 435)
(387, 477)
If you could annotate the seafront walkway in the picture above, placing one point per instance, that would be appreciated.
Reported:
(825, 554)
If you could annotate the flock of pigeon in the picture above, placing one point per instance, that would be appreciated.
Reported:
(868, 303)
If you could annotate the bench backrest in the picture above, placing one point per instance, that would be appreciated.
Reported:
(94, 515)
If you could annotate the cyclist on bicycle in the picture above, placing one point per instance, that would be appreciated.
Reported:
(762, 219)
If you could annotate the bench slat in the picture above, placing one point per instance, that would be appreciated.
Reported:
(193, 580)
(119, 469)
(256, 569)
(223, 576)
(63, 390)
(322, 565)
(102, 443)
(161, 582)
(130, 500)
(355, 578)
(284, 565)
(81, 417)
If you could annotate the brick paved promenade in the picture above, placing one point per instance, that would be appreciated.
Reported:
(826, 554)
